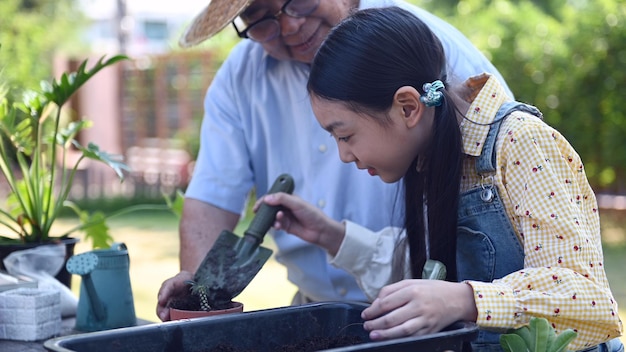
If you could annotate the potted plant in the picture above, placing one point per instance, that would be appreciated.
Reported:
(196, 304)
(34, 163)
(537, 336)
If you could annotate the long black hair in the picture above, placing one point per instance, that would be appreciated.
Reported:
(362, 63)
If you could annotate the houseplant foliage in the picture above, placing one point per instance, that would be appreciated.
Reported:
(35, 165)
(537, 336)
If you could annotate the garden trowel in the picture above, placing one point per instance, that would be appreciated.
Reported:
(234, 261)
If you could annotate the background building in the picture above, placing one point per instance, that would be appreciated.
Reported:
(146, 109)
(137, 27)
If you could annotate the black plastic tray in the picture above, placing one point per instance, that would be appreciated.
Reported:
(263, 330)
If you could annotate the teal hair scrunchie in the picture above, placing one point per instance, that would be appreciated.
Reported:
(432, 96)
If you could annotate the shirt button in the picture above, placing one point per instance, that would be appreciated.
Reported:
(323, 148)
(342, 292)
(321, 203)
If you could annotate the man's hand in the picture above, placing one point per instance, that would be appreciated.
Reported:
(174, 287)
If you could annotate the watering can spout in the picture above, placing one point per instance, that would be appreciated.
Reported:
(105, 300)
(83, 265)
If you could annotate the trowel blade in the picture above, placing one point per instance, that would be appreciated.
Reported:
(225, 271)
(234, 261)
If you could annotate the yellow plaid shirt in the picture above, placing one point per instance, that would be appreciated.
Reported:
(542, 182)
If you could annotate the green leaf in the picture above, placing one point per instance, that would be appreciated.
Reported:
(60, 91)
(540, 330)
(525, 334)
(25, 204)
(33, 103)
(97, 231)
(67, 134)
(177, 204)
(19, 132)
(113, 161)
(513, 343)
(538, 336)
(561, 341)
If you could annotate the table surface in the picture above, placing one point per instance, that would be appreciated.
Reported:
(67, 328)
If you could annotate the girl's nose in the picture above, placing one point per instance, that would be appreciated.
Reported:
(346, 155)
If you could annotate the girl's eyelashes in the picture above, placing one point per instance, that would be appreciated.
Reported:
(340, 139)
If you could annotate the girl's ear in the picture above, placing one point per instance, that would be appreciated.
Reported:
(406, 102)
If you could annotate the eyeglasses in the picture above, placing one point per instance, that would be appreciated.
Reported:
(268, 27)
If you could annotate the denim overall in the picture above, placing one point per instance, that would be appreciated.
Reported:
(487, 246)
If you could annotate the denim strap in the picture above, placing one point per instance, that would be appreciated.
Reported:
(614, 345)
(486, 162)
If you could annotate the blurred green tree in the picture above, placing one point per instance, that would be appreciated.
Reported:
(31, 32)
(566, 57)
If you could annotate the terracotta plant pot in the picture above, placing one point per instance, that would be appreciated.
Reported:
(178, 314)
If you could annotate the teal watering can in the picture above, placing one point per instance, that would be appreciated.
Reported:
(106, 298)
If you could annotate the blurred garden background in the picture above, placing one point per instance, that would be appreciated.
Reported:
(567, 57)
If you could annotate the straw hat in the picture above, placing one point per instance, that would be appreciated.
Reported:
(217, 15)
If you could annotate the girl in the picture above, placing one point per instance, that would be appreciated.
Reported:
(490, 191)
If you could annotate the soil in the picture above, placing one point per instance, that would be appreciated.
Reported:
(192, 302)
(310, 344)
(188, 302)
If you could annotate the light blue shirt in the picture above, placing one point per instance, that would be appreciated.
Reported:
(258, 124)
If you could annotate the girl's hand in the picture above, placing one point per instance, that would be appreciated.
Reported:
(418, 307)
(305, 221)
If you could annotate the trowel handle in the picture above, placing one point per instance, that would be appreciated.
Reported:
(266, 214)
